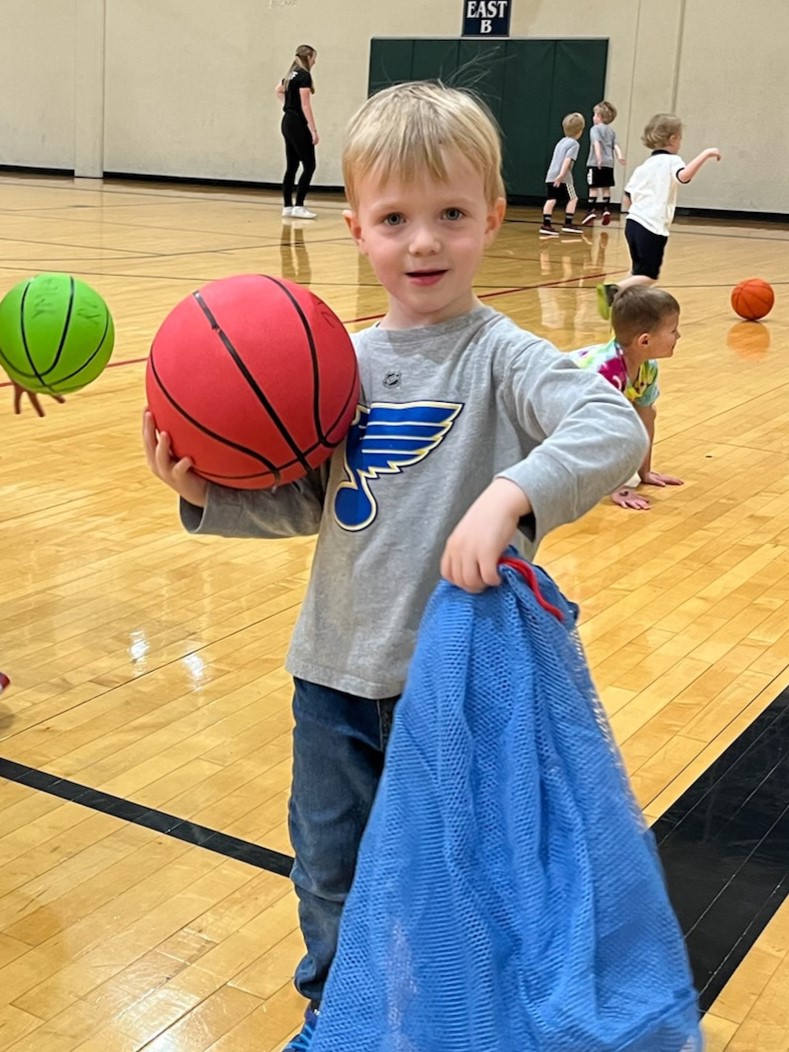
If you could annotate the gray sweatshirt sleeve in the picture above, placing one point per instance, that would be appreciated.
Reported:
(293, 510)
(591, 439)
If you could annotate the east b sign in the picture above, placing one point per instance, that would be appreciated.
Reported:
(486, 18)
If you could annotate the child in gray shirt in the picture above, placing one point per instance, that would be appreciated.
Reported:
(603, 148)
(469, 430)
(559, 187)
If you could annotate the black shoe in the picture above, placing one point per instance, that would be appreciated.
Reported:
(571, 229)
(547, 230)
(589, 218)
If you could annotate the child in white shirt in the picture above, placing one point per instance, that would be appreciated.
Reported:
(650, 199)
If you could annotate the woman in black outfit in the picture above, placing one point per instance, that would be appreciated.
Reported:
(298, 130)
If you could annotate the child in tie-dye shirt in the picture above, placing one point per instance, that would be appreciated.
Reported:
(646, 327)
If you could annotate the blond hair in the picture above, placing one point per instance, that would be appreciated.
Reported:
(640, 309)
(660, 130)
(408, 129)
(606, 111)
(573, 124)
(305, 53)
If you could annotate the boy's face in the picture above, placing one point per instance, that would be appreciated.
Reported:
(674, 143)
(663, 340)
(425, 241)
(596, 118)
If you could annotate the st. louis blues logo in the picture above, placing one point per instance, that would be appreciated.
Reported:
(383, 440)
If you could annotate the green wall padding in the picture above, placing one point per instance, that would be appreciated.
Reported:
(529, 86)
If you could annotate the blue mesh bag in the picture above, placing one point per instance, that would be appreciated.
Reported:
(508, 894)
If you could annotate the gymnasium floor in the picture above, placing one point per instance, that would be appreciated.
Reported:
(145, 753)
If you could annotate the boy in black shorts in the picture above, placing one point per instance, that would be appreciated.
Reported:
(603, 148)
(559, 186)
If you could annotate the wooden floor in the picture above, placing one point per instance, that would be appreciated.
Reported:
(148, 664)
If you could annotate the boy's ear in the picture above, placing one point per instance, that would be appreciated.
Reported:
(355, 228)
(495, 219)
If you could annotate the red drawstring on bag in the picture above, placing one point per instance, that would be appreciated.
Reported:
(530, 577)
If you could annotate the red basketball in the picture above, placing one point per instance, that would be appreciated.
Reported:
(254, 379)
(753, 299)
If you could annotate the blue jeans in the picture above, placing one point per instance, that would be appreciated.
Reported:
(339, 743)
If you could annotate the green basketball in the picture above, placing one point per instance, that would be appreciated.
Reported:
(56, 334)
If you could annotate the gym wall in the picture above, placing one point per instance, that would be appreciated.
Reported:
(185, 87)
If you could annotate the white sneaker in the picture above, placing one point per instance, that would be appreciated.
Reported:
(287, 212)
(300, 212)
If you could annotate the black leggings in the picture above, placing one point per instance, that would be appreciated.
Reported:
(299, 150)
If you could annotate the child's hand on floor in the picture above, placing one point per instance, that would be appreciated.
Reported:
(628, 498)
(654, 478)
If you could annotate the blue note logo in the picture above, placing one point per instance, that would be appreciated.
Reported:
(383, 440)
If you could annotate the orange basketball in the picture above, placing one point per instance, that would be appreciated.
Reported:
(753, 299)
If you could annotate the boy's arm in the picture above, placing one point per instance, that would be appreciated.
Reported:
(619, 155)
(647, 414)
(567, 164)
(288, 511)
(594, 140)
(590, 439)
(687, 173)
(293, 510)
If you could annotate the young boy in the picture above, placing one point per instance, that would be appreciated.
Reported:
(645, 323)
(603, 148)
(650, 199)
(559, 186)
(469, 430)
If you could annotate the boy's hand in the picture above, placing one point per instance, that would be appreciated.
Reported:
(177, 474)
(628, 498)
(557, 182)
(19, 391)
(472, 553)
(713, 151)
(654, 478)
(622, 160)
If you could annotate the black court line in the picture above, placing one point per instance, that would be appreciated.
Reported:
(725, 849)
(724, 844)
(158, 821)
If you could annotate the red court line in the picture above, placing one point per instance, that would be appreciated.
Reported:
(377, 317)
(502, 292)
(110, 365)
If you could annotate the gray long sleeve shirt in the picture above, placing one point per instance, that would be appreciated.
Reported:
(443, 411)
